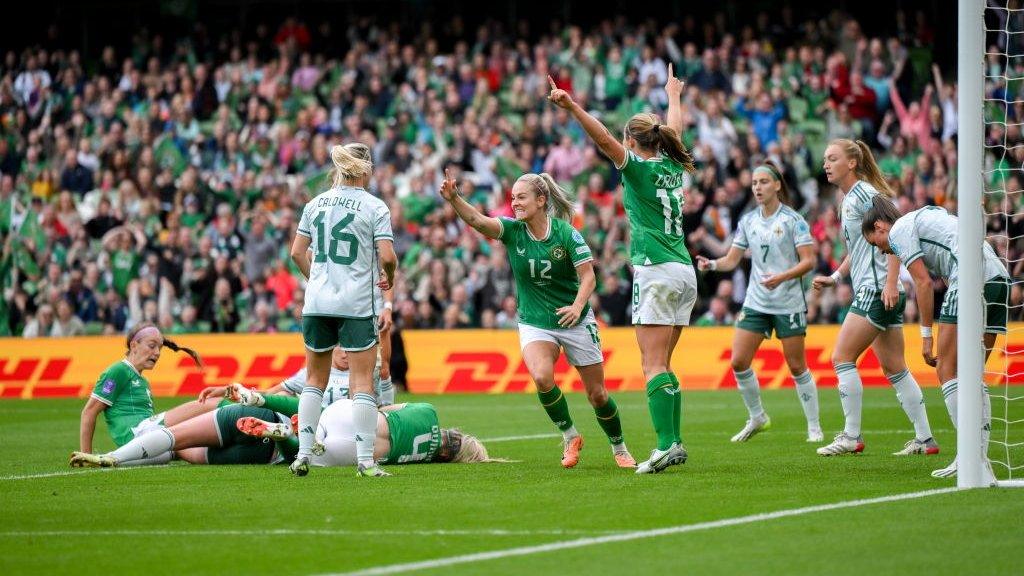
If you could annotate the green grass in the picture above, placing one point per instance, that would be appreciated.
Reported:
(173, 520)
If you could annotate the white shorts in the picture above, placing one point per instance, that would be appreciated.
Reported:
(337, 433)
(154, 422)
(664, 294)
(582, 343)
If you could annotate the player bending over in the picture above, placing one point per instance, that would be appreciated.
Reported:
(654, 165)
(554, 274)
(926, 241)
(782, 252)
(876, 318)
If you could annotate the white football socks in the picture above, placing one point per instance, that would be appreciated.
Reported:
(310, 401)
(364, 420)
(385, 392)
(912, 400)
(807, 391)
(152, 444)
(851, 396)
(746, 382)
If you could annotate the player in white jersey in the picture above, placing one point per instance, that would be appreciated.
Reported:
(345, 247)
(876, 317)
(337, 383)
(926, 241)
(782, 252)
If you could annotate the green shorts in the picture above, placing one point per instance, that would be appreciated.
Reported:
(868, 304)
(323, 333)
(784, 325)
(996, 294)
(236, 447)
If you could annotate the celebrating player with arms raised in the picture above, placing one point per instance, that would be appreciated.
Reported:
(654, 165)
(554, 277)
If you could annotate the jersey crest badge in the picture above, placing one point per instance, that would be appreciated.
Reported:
(558, 253)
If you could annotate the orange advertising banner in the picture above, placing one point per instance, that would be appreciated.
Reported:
(462, 361)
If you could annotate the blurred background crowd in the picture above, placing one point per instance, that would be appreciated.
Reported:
(161, 179)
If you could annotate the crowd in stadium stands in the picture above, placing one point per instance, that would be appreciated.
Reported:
(164, 183)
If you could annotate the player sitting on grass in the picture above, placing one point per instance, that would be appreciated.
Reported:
(210, 438)
(123, 395)
(926, 242)
(782, 251)
(554, 273)
(406, 433)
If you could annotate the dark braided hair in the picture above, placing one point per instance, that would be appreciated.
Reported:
(168, 343)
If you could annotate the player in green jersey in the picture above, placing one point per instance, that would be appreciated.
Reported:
(123, 396)
(655, 166)
(406, 434)
(782, 252)
(927, 242)
(554, 274)
(876, 319)
(209, 438)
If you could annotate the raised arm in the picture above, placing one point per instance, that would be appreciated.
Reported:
(597, 132)
(485, 225)
(674, 88)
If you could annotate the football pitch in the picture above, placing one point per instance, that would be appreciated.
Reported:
(770, 506)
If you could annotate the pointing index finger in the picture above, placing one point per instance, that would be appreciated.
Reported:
(551, 81)
(670, 74)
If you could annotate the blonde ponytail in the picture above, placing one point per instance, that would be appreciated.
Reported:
(351, 163)
(558, 204)
(867, 169)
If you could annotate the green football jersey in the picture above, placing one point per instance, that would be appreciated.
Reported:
(128, 398)
(545, 269)
(415, 434)
(125, 265)
(654, 199)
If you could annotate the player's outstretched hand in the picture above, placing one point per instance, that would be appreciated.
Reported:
(674, 86)
(703, 263)
(559, 97)
(212, 392)
(449, 189)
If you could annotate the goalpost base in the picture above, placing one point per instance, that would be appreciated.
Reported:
(1009, 484)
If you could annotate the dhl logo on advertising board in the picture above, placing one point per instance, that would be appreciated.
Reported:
(464, 361)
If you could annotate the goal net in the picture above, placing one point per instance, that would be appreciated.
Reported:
(1002, 202)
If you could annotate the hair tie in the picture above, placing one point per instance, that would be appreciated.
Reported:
(657, 128)
(766, 168)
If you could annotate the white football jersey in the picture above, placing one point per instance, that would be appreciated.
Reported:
(337, 385)
(867, 263)
(931, 234)
(344, 225)
(772, 243)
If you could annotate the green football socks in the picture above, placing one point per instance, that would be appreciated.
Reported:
(608, 418)
(662, 402)
(557, 408)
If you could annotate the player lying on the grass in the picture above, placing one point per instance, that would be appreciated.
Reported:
(782, 251)
(655, 166)
(926, 241)
(554, 274)
(406, 434)
(876, 317)
(122, 394)
(210, 438)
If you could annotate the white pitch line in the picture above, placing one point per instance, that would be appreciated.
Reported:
(623, 537)
(77, 472)
(307, 532)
